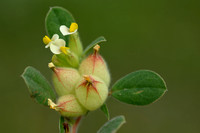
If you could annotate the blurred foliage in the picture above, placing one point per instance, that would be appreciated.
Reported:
(162, 36)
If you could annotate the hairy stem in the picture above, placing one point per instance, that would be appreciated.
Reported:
(75, 126)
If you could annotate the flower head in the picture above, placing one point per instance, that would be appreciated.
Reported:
(56, 45)
(68, 31)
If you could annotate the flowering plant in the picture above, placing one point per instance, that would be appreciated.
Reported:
(81, 78)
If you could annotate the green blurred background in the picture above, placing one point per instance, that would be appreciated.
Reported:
(160, 35)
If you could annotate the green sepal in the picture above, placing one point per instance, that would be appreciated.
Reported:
(75, 44)
(139, 88)
(112, 125)
(105, 110)
(39, 88)
(62, 60)
(96, 41)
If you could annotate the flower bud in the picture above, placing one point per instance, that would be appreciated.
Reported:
(94, 64)
(64, 80)
(91, 92)
(68, 106)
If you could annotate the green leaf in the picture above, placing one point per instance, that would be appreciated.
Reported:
(89, 47)
(38, 86)
(104, 108)
(113, 125)
(139, 88)
(56, 17)
(61, 125)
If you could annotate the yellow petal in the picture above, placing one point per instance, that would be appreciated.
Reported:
(73, 27)
(64, 50)
(46, 40)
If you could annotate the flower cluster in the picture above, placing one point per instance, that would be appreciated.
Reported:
(80, 89)
(57, 45)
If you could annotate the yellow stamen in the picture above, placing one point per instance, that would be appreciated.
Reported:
(46, 40)
(65, 50)
(87, 78)
(73, 27)
(96, 48)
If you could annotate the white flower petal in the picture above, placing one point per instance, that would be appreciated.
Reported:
(48, 45)
(55, 46)
(55, 49)
(55, 37)
(64, 30)
(59, 42)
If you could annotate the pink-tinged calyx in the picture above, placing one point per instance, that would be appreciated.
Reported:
(94, 64)
(64, 80)
(90, 84)
(91, 92)
(68, 106)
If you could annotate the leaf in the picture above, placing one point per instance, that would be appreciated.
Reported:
(139, 88)
(104, 108)
(38, 86)
(56, 17)
(61, 124)
(89, 47)
(113, 125)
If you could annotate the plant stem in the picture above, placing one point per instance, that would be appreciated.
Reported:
(66, 127)
(74, 127)
(109, 93)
